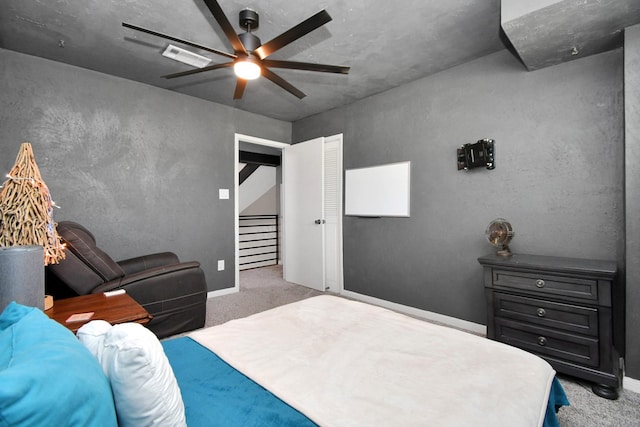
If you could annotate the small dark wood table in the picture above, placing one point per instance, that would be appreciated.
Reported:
(114, 309)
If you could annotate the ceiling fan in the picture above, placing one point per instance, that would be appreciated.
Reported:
(250, 57)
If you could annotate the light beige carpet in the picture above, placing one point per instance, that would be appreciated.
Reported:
(260, 289)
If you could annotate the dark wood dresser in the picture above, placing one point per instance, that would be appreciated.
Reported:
(568, 311)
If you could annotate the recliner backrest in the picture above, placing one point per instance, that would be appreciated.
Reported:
(85, 266)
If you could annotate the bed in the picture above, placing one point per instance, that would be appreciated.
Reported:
(330, 361)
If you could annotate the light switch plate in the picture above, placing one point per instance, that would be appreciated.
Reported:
(223, 193)
(220, 264)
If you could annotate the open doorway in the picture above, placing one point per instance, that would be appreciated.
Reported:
(257, 203)
(299, 185)
(259, 213)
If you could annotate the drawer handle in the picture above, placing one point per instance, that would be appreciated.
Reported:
(541, 312)
(542, 341)
(540, 283)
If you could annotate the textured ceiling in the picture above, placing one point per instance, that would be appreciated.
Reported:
(386, 43)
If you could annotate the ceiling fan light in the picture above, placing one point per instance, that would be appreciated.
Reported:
(247, 70)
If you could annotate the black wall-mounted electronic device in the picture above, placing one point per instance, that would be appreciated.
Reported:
(480, 154)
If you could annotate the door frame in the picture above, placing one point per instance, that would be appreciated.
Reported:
(236, 185)
(238, 137)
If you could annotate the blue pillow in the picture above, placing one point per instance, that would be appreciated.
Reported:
(47, 377)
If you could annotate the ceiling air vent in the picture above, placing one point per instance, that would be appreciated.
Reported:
(186, 57)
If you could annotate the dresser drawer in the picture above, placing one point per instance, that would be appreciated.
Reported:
(560, 309)
(566, 317)
(545, 284)
(547, 342)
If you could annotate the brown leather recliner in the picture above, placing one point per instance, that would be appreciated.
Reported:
(174, 292)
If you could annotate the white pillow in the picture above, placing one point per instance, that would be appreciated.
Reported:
(92, 336)
(144, 387)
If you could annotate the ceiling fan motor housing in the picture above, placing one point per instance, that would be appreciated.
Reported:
(249, 41)
(249, 19)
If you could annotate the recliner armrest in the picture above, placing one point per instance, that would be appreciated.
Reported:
(158, 275)
(175, 295)
(134, 265)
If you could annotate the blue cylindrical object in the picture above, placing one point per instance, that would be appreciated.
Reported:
(22, 276)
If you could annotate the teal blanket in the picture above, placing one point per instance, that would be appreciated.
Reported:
(216, 394)
(557, 399)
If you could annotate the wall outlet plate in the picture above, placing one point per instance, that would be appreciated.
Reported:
(220, 264)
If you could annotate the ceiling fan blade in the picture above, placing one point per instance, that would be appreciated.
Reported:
(306, 66)
(175, 39)
(240, 85)
(226, 26)
(198, 70)
(282, 83)
(305, 27)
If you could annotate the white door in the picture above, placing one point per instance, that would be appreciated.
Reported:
(303, 194)
(333, 213)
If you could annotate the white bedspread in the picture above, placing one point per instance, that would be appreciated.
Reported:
(345, 363)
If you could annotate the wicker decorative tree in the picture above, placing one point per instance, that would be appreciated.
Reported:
(26, 209)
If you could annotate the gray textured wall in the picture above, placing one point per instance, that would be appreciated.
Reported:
(559, 175)
(632, 206)
(139, 166)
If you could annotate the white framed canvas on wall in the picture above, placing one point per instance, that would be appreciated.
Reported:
(378, 191)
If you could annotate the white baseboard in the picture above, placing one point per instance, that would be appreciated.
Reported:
(427, 315)
(631, 384)
(221, 292)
